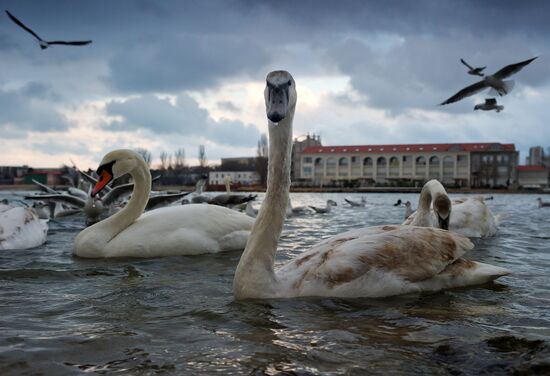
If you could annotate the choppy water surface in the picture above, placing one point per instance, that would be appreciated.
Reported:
(176, 315)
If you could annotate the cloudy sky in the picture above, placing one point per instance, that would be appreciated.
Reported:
(174, 74)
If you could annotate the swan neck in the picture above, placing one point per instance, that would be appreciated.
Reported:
(255, 275)
(135, 207)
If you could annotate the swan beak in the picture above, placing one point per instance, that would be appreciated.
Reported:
(443, 222)
(278, 104)
(104, 179)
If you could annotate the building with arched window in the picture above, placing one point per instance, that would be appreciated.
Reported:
(461, 165)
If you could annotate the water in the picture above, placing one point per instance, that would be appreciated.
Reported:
(176, 315)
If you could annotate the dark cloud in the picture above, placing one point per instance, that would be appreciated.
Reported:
(20, 111)
(184, 117)
(185, 62)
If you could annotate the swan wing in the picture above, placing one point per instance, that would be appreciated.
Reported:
(379, 261)
(511, 69)
(21, 228)
(466, 92)
(182, 230)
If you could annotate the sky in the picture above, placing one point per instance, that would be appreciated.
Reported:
(176, 74)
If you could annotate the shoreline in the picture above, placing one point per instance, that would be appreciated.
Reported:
(32, 187)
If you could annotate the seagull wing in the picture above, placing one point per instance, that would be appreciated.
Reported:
(117, 192)
(44, 187)
(60, 197)
(511, 69)
(491, 101)
(465, 63)
(466, 92)
(164, 199)
(74, 43)
(22, 25)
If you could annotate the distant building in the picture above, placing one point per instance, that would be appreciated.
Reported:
(240, 171)
(532, 177)
(48, 176)
(11, 174)
(300, 144)
(460, 164)
(235, 177)
(536, 156)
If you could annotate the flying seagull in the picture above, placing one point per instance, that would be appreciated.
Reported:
(495, 81)
(45, 44)
(473, 71)
(490, 104)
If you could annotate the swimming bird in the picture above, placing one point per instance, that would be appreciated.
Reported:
(292, 211)
(495, 81)
(543, 204)
(326, 209)
(368, 262)
(489, 105)
(398, 202)
(468, 216)
(21, 228)
(45, 44)
(176, 230)
(360, 204)
(473, 71)
(408, 209)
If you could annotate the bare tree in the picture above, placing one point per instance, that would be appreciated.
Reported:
(179, 159)
(163, 160)
(146, 154)
(263, 148)
(202, 156)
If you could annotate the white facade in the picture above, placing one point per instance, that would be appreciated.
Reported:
(447, 166)
(235, 177)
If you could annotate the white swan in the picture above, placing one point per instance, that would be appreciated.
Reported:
(176, 230)
(21, 228)
(469, 216)
(369, 262)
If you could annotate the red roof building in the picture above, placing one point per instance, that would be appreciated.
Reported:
(483, 164)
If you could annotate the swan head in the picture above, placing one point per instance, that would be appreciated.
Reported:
(114, 165)
(442, 209)
(280, 95)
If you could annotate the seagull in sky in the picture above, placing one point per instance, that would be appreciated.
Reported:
(473, 71)
(495, 81)
(45, 44)
(490, 104)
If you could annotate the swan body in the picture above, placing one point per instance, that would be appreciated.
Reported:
(469, 216)
(368, 262)
(21, 228)
(177, 230)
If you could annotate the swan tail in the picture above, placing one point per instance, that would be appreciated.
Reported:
(463, 273)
